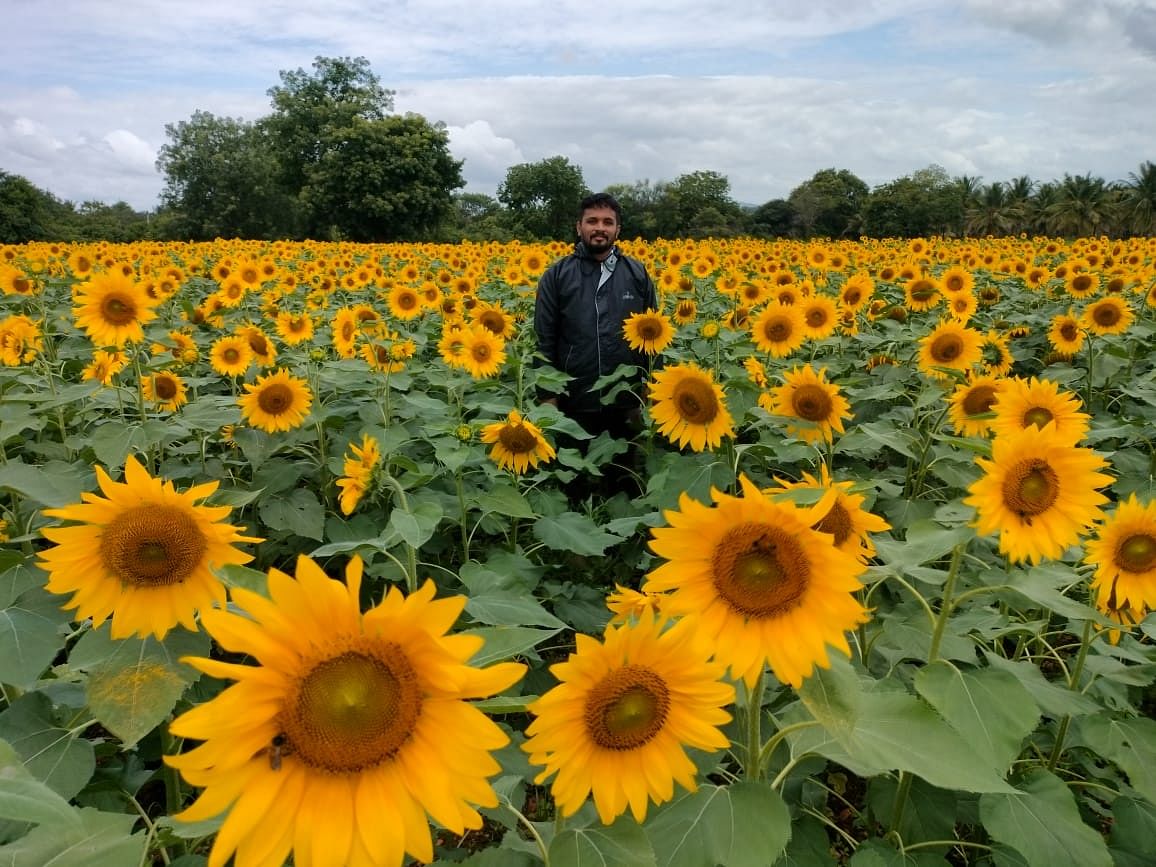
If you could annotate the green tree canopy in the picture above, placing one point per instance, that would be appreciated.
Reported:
(829, 204)
(926, 202)
(699, 203)
(543, 197)
(28, 213)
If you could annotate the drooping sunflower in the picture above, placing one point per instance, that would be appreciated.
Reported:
(758, 582)
(1124, 554)
(690, 407)
(1038, 491)
(277, 401)
(806, 395)
(142, 554)
(230, 355)
(1066, 333)
(779, 329)
(166, 389)
(950, 345)
(972, 405)
(357, 472)
(648, 332)
(820, 316)
(619, 721)
(112, 309)
(483, 353)
(1110, 315)
(849, 524)
(348, 730)
(1035, 402)
(518, 443)
(630, 605)
(345, 332)
(104, 366)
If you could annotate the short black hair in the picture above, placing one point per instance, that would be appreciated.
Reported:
(600, 200)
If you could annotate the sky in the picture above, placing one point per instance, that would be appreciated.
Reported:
(765, 93)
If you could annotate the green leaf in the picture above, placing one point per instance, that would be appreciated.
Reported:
(1053, 699)
(1130, 743)
(30, 636)
(925, 541)
(55, 484)
(809, 846)
(234, 575)
(508, 609)
(504, 642)
(877, 853)
(25, 799)
(1042, 823)
(571, 531)
(102, 840)
(417, 524)
(738, 825)
(134, 683)
(930, 813)
(876, 731)
(19, 574)
(1134, 829)
(623, 844)
(52, 754)
(300, 513)
(15, 418)
(1043, 585)
(989, 709)
(505, 500)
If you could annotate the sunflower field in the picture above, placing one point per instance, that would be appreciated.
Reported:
(297, 567)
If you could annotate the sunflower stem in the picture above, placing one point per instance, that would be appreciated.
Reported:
(752, 770)
(900, 804)
(946, 605)
(1091, 365)
(1073, 683)
(174, 797)
(411, 552)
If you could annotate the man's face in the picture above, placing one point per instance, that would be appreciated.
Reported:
(598, 229)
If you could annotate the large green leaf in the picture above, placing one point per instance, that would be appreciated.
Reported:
(510, 609)
(300, 513)
(743, 825)
(924, 542)
(1042, 823)
(1053, 698)
(623, 844)
(134, 683)
(1130, 743)
(888, 730)
(101, 840)
(504, 642)
(505, 500)
(54, 484)
(417, 523)
(1133, 831)
(571, 531)
(25, 799)
(52, 754)
(989, 709)
(30, 636)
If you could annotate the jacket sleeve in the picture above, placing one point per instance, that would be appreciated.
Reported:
(546, 318)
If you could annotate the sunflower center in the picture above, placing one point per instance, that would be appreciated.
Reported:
(811, 402)
(816, 317)
(1038, 415)
(1082, 283)
(407, 301)
(480, 352)
(760, 570)
(1031, 487)
(165, 388)
(979, 400)
(696, 402)
(627, 708)
(649, 329)
(1068, 331)
(947, 348)
(493, 321)
(1137, 553)
(258, 344)
(1106, 314)
(923, 291)
(275, 399)
(837, 522)
(230, 355)
(778, 329)
(517, 440)
(118, 310)
(152, 545)
(851, 297)
(353, 711)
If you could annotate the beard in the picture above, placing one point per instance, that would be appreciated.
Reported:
(598, 243)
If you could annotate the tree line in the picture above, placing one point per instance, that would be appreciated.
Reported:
(332, 161)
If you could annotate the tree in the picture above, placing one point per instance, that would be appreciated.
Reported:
(923, 203)
(543, 197)
(96, 221)
(221, 179)
(687, 200)
(1138, 200)
(28, 213)
(641, 205)
(388, 179)
(829, 204)
(992, 211)
(309, 106)
(1083, 207)
(773, 219)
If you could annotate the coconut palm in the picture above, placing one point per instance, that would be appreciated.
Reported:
(991, 212)
(1138, 200)
(1083, 207)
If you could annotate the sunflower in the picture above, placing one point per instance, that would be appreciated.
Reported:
(494, 319)
(856, 292)
(757, 582)
(518, 443)
(1034, 402)
(404, 302)
(104, 366)
(849, 524)
(648, 332)
(807, 396)
(756, 371)
(452, 342)
(779, 329)
(143, 554)
(685, 311)
(482, 352)
(294, 328)
(230, 355)
(20, 340)
(961, 306)
(357, 472)
(971, 405)
(276, 402)
(1124, 554)
(957, 279)
(690, 407)
(1110, 315)
(1066, 333)
(820, 316)
(345, 332)
(1081, 284)
(619, 721)
(921, 293)
(112, 308)
(165, 389)
(629, 606)
(347, 731)
(952, 346)
(1039, 492)
(264, 352)
(996, 354)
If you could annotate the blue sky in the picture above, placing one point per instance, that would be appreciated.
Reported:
(766, 93)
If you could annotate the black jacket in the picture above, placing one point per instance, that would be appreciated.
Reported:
(579, 325)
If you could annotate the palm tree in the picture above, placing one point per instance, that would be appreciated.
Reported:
(1138, 200)
(1083, 207)
(991, 211)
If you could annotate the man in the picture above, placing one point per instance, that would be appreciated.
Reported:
(582, 302)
